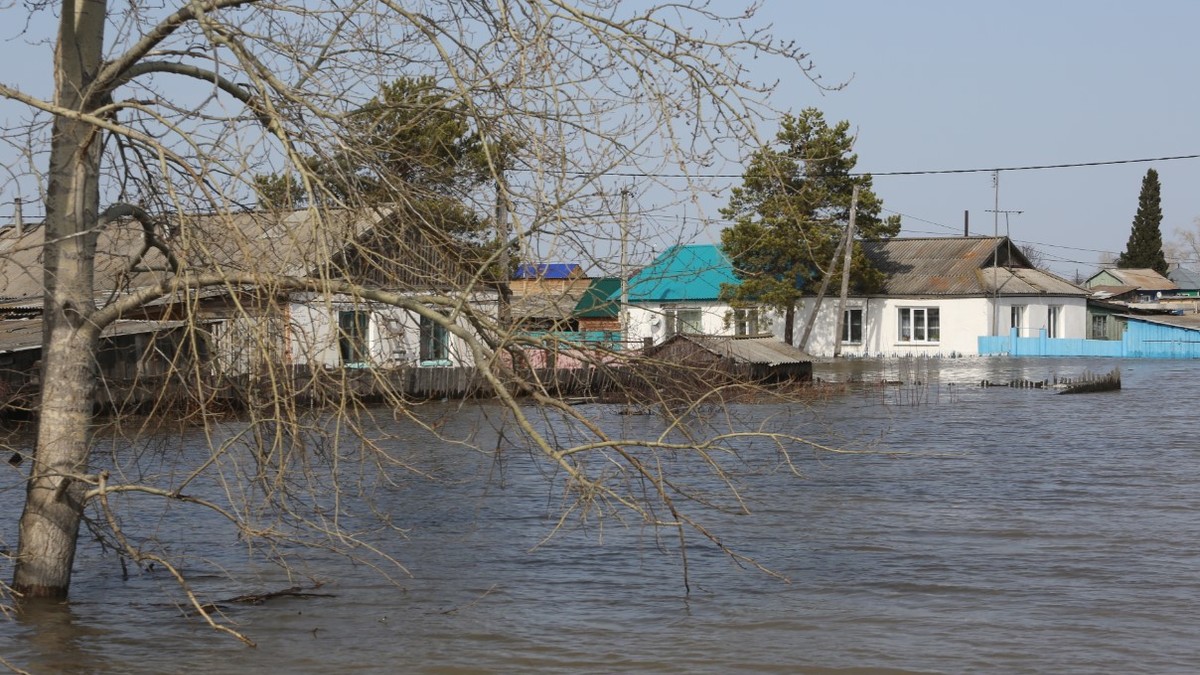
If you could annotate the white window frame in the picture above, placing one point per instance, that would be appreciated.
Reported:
(434, 341)
(923, 324)
(1053, 319)
(674, 323)
(745, 321)
(1017, 317)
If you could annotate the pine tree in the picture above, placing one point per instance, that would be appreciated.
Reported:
(1144, 249)
(790, 212)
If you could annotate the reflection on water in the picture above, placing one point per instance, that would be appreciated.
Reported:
(1020, 532)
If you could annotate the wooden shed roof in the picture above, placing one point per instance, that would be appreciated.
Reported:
(764, 350)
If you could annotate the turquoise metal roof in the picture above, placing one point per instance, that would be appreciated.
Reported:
(601, 300)
(683, 273)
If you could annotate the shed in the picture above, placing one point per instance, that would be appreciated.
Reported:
(760, 359)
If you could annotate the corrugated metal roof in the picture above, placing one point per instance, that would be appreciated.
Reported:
(601, 300)
(1143, 279)
(757, 350)
(18, 335)
(1184, 278)
(548, 271)
(1186, 321)
(960, 266)
(682, 273)
(1026, 281)
(555, 306)
(1106, 292)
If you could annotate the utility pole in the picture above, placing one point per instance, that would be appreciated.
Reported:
(996, 263)
(841, 313)
(625, 263)
(502, 234)
(812, 315)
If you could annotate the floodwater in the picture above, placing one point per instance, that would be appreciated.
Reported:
(988, 530)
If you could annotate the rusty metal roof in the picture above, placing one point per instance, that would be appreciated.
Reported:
(1142, 278)
(961, 266)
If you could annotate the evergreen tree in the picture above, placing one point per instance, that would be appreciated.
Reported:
(1145, 249)
(790, 212)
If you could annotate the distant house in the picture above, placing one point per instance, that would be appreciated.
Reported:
(1187, 280)
(940, 295)
(544, 295)
(251, 324)
(680, 292)
(1130, 285)
(599, 307)
(1146, 289)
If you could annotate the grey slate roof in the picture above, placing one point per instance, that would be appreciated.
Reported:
(1184, 278)
(961, 266)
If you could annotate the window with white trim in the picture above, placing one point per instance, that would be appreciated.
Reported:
(745, 321)
(353, 331)
(683, 320)
(435, 340)
(852, 326)
(1018, 314)
(920, 324)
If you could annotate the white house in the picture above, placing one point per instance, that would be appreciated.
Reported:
(941, 295)
(679, 292)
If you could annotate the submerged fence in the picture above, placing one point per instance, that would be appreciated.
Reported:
(1141, 340)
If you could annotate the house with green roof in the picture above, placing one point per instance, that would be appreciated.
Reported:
(680, 293)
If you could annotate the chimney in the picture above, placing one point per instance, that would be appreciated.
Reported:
(966, 223)
(18, 217)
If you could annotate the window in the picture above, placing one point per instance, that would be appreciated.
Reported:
(353, 329)
(1052, 313)
(852, 325)
(683, 320)
(920, 324)
(1018, 313)
(745, 321)
(1100, 327)
(435, 341)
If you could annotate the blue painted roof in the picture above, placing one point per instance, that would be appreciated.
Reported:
(547, 271)
(682, 273)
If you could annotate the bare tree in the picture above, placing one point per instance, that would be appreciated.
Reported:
(159, 123)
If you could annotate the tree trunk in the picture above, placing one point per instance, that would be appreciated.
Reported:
(789, 325)
(53, 508)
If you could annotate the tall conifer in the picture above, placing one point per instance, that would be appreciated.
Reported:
(1144, 249)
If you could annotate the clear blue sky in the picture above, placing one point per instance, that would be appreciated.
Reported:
(936, 85)
(941, 84)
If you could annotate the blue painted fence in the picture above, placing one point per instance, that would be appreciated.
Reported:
(1141, 340)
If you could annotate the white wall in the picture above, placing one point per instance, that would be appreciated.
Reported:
(962, 322)
(647, 319)
(393, 335)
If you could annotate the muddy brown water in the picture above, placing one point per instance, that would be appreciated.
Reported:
(1018, 531)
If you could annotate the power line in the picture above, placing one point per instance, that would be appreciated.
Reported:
(923, 172)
